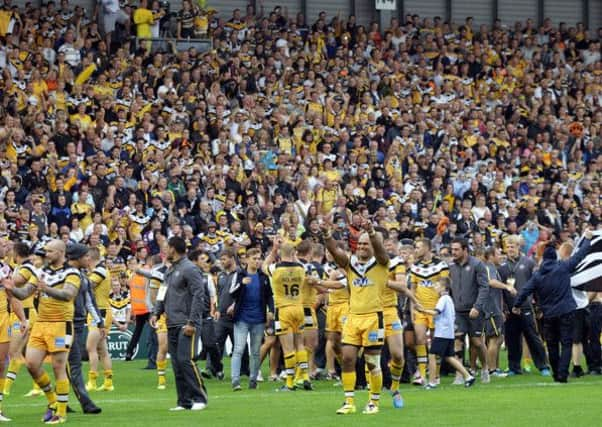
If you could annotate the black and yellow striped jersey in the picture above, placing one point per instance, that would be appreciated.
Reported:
(366, 282)
(51, 309)
(423, 276)
(120, 303)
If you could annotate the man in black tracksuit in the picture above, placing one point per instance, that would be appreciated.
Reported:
(516, 271)
(84, 304)
(182, 298)
(552, 285)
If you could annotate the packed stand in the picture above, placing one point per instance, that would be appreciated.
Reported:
(426, 130)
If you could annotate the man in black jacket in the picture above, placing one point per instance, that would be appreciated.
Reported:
(78, 257)
(516, 272)
(181, 298)
(252, 295)
(552, 284)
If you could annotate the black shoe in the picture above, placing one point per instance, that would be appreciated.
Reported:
(577, 372)
(562, 380)
(70, 410)
(220, 376)
(252, 385)
(128, 358)
(206, 374)
(595, 372)
(92, 410)
(150, 367)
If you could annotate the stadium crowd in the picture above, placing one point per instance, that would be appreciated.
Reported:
(287, 134)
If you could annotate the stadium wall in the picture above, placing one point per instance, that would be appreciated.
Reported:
(483, 11)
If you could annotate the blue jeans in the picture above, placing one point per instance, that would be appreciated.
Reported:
(241, 331)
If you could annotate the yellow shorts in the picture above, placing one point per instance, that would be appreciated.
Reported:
(52, 337)
(15, 324)
(364, 330)
(5, 330)
(289, 320)
(162, 324)
(392, 323)
(424, 319)
(107, 315)
(335, 317)
(311, 319)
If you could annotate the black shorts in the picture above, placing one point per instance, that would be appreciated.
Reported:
(580, 326)
(472, 327)
(494, 325)
(442, 347)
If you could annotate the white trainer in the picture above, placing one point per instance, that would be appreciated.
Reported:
(198, 406)
(177, 409)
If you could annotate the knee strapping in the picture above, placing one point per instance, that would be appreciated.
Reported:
(373, 361)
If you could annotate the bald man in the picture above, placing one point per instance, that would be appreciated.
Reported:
(52, 333)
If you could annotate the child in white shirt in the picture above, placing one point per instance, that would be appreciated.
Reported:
(442, 344)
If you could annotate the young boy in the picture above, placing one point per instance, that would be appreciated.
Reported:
(442, 344)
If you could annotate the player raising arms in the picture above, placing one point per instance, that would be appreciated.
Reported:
(58, 285)
(367, 276)
(288, 279)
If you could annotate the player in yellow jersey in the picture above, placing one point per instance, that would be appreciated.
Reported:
(336, 313)
(424, 274)
(393, 325)
(157, 285)
(100, 281)
(288, 278)
(367, 275)
(23, 273)
(5, 300)
(51, 334)
(309, 297)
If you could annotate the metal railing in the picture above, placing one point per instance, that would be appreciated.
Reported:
(172, 43)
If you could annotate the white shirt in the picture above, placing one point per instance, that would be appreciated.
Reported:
(110, 6)
(445, 320)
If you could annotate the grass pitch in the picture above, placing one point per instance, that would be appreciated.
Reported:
(527, 400)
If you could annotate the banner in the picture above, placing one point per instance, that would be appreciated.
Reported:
(588, 274)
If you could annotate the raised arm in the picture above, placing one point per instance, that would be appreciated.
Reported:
(376, 240)
(340, 257)
(574, 261)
